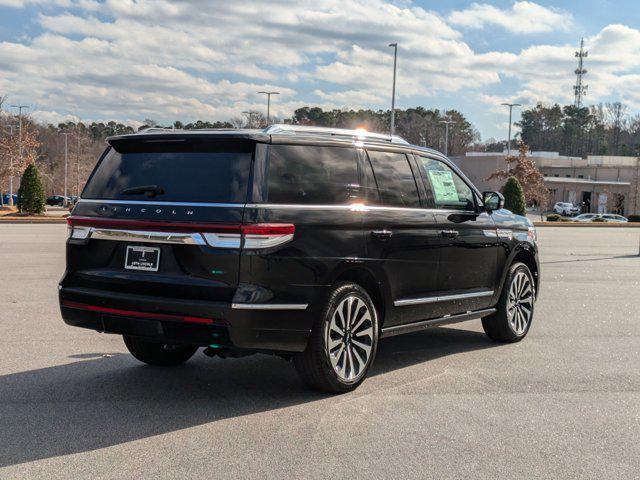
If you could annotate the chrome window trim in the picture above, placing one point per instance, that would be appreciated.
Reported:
(355, 207)
(269, 306)
(147, 202)
(442, 298)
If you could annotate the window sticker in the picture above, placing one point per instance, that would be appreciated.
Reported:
(443, 187)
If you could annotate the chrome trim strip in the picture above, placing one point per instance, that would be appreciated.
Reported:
(175, 204)
(434, 322)
(443, 298)
(145, 236)
(223, 240)
(269, 306)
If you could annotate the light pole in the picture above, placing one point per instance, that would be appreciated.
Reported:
(268, 94)
(446, 135)
(66, 163)
(393, 91)
(249, 114)
(510, 105)
(78, 161)
(19, 107)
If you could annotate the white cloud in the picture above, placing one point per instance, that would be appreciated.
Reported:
(522, 17)
(208, 58)
(24, 3)
(53, 117)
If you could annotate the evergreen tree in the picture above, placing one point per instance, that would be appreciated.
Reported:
(514, 197)
(31, 193)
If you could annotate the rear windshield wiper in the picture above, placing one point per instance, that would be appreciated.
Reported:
(149, 190)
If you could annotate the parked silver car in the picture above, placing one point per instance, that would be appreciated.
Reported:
(606, 217)
(611, 217)
(585, 217)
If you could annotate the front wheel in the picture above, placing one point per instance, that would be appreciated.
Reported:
(158, 354)
(514, 314)
(343, 341)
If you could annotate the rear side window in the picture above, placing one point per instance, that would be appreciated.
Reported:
(302, 174)
(395, 180)
(449, 191)
(182, 173)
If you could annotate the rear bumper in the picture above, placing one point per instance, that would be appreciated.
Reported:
(186, 321)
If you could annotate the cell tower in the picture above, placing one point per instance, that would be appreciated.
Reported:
(579, 89)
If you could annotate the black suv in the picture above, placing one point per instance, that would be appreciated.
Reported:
(304, 242)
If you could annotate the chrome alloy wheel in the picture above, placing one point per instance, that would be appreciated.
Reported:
(520, 303)
(349, 338)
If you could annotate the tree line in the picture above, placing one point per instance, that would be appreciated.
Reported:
(604, 129)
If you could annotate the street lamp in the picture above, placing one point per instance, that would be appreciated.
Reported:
(393, 91)
(19, 107)
(249, 113)
(446, 135)
(510, 105)
(66, 162)
(268, 94)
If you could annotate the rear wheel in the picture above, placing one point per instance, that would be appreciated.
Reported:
(514, 314)
(158, 354)
(343, 342)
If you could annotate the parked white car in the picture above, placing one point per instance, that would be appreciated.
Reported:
(565, 208)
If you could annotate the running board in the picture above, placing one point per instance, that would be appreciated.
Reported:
(434, 322)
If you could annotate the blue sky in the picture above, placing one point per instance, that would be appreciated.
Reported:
(136, 59)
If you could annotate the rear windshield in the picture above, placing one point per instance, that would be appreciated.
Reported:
(177, 172)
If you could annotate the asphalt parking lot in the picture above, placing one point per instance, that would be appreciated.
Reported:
(443, 403)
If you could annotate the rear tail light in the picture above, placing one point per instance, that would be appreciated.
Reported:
(251, 236)
(267, 235)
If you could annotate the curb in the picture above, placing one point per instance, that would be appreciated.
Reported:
(27, 220)
(587, 225)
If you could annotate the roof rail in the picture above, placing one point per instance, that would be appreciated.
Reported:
(332, 132)
(155, 129)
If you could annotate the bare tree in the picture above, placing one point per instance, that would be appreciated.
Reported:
(616, 115)
(16, 154)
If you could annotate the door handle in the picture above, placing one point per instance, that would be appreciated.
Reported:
(382, 234)
(449, 233)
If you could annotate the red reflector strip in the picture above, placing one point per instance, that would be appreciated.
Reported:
(134, 313)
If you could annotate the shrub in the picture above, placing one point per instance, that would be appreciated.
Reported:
(514, 197)
(554, 217)
(31, 194)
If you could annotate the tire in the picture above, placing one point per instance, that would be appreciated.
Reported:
(335, 360)
(158, 354)
(511, 322)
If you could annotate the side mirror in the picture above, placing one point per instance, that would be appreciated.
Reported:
(493, 201)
